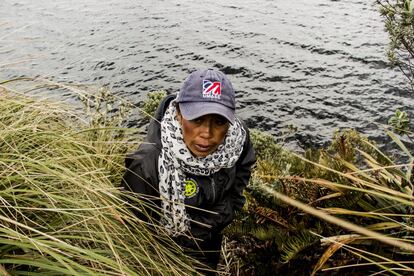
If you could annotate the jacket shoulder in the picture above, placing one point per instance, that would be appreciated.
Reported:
(154, 130)
(146, 156)
(141, 175)
(248, 155)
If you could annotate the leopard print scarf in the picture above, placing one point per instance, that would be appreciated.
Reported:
(176, 159)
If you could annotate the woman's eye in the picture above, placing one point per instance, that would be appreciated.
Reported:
(220, 121)
(197, 120)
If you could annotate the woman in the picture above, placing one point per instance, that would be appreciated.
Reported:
(197, 154)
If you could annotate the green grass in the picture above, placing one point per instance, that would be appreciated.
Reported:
(335, 209)
(61, 210)
(354, 199)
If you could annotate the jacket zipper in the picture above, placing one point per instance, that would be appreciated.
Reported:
(214, 189)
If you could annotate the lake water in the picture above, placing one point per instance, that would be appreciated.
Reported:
(315, 64)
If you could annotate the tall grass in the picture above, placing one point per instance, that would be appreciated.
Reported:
(335, 209)
(61, 210)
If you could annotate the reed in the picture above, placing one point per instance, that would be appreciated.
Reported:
(62, 212)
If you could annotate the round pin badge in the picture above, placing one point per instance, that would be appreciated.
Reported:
(191, 188)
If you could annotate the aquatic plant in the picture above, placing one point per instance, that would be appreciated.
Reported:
(61, 210)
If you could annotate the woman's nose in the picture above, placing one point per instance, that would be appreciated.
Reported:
(206, 130)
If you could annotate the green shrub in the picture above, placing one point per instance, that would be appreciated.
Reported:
(151, 103)
(400, 122)
(399, 23)
(351, 179)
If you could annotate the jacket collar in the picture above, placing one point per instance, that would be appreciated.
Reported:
(154, 128)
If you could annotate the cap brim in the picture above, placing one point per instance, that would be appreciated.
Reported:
(193, 110)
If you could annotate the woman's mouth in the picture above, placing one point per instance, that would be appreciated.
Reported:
(202, 148)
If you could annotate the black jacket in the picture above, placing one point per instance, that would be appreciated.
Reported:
(221, 192)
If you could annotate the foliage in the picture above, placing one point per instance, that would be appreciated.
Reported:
(264, 144)
(151, 103)
(399, 23)
(351, 179)
(60, 211)
(100, 109)
(400, 122)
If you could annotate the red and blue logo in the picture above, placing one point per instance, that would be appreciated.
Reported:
(211, 89)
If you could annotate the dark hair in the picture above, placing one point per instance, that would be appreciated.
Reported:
(177, 106)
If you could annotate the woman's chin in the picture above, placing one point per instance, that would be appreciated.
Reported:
(201, 151)
(200, 154)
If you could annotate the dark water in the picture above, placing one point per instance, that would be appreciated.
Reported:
(315, 64)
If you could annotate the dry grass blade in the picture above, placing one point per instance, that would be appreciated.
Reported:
(342, 187)
(337, 243)
(380, 261)
(342, 211)
(375, 187)
(3, 271)
(400, 144)
(384, 226)
(340, 222)
(328, 197)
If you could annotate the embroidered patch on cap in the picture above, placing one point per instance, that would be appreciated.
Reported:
(211, 89)
(191, 188)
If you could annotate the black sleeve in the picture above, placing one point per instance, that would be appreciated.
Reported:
(233, 200)
(243, 172)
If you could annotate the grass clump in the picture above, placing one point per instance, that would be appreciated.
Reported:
(61, 210)
(333, 209)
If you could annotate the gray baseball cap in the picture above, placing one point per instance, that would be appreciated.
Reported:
(207, 92)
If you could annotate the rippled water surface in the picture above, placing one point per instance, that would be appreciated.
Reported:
(315, 64)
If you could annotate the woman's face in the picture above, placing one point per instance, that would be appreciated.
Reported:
(204, 134)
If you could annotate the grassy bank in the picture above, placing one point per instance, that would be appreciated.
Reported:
(345, 209)
(61, 211)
